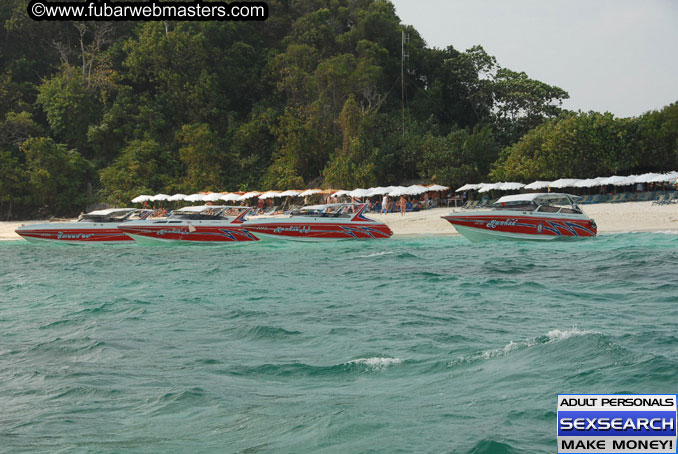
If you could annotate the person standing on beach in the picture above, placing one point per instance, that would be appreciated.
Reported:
(384, 204)
(403, 205)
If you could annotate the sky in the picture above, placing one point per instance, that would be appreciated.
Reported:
(618, 56)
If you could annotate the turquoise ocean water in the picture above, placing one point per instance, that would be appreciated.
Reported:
(417, 344)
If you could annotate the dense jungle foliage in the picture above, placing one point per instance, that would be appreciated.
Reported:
(105, 111)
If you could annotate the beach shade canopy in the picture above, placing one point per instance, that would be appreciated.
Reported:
(397, 191)
(538, 185)
(270, 194)
(487, 187)
(416, 189)
(616, 180)
(379, 190)
(142, 198)
(289, 193)
(248, 195)
(177, 197)
(212, 197)
(510, 186)
(230, 197)
(359, 193)
(647, 177)
(665, 177)
(310, 192)
(159, 197)
(340, 193)
(194, 197)
(590, 182)
(471, 187)
(436, 188)
(564, 183)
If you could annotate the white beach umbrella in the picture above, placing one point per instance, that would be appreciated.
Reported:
(248, 195)
(416, 189)
(177, 197)
(310, 192)
(142, 198)
(159, 197)
(487, 187)
(397, 191)
(270, 194)
(590, 182)
(230, 197)
(194, 197)
(359, 193)
(436, 188)
(379, 190)
(471, 187)
(289, 193)
(510, 186)
(212, 197)
(665, 177)
(616, 180)
(340, 193)
(538, 185)
(647, 177)
(564, 183)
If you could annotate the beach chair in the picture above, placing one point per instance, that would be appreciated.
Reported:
(594, 199)
(624, 197)
(660, 200)
(643, 196)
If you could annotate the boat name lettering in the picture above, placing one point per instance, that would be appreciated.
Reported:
(507, 223)
(293, 228)
(73, 236)
(164, 231)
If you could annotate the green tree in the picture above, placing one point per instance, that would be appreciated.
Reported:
(58, 177)
(202, 156)
(136, 171)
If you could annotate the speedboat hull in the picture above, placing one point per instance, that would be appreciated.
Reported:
(162, 232)
(521, 226)
(323, 227)
(73, 232)
(310, 230)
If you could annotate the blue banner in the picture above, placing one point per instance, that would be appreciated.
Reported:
(617, 423)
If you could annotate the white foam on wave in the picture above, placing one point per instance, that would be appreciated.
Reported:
(376, 363)
(557, 334)
(552, 336)
(668, 232)
(376, 254)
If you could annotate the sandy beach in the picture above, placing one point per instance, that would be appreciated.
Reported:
(611, 218)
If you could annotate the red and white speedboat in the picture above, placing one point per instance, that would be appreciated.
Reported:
(205, 224)
(100, 226)
(548, 216)
(337, 221)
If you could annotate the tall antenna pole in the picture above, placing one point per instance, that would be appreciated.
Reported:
(402, 76)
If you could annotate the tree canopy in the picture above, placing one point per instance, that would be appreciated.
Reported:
(103, 111)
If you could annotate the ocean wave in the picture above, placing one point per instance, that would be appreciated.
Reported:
(354, 366)
(375, 363)
(376, 254)
(492, 447)
(554, 335)
(267, 332)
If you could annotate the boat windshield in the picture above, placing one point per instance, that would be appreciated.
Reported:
(327, 211)
(518, 206)
(542, 206)
(113, 215)
(207, 213)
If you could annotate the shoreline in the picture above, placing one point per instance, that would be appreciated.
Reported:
(630, 217)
